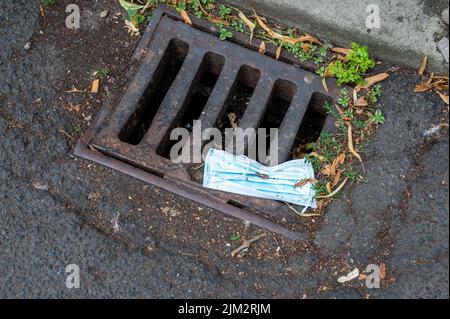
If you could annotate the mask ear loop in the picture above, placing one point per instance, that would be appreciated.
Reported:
(307, 205)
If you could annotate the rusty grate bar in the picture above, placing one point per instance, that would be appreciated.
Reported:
(186, 73)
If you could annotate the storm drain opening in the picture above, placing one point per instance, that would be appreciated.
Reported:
(139, 122)
(240, 95)
(312, 125)
(199, 93)
(178, 93)
(280, 100)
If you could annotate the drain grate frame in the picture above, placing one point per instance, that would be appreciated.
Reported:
(106, 143)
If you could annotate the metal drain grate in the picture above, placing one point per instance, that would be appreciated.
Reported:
(186, 73)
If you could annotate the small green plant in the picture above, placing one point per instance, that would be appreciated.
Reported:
(224, 11)
(320, 188)
(317, 60)
(323, 51)
(208, 5)
(48, 3)
(142, 20)
(296, 49)
(235, 237)
(329, 146)
(321, 71)
(291, 33)
(77, 128)
(315, 162)
(359, 125)
(328, 107)
(195, 6)
(358, 63)
(344, 98)
(209, 2)
(352, 174)
(238, 26)
(181, 5)
(374, 94)
(102, 73)
(131, 8)
(378, 117)
(224, 33)
(348, 113)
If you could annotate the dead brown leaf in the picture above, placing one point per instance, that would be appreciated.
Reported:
(330, 169)
(423, 66)
(95, 86)
(439, 77)
(284, 38)
(327, 74)
(320, 157)
(341, 58)
(278, 53)
(216, 20)
(438, 83)
(306, 47)
(371, 81)
(328, 186)
(308, 38)
(42, 11)
(262, 47)
(361, 102)
(350, 145)
(422, 87)
(337, 190)
(233, 120)
(326, 170)
(305, 214)
(251, 25)
(343, 51)
(72, 107)
(272, 33)
(185, 17)
(324, 84)
(305, 181)
(336, 178)
(443, 96)
(382, 270)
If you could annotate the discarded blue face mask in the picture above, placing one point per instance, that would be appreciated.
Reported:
(241, 175)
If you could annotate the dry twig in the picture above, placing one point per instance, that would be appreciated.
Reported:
(246, 244)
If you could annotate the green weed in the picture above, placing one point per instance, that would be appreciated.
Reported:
(102, 73)
(378, 117)
(358, 63)
(48, 3)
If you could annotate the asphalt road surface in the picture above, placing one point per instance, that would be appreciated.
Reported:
(132, 240)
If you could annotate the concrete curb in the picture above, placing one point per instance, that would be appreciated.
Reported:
(409, 29)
